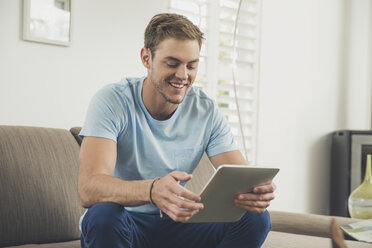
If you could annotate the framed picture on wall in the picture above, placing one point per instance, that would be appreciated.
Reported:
(47, 21)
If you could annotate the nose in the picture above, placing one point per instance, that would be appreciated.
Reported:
(182, 72)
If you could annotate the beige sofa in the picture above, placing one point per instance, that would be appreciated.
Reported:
(39, 205)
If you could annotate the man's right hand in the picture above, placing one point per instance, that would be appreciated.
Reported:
(176, 201)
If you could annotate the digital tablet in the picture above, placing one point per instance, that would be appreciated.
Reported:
(226, 182)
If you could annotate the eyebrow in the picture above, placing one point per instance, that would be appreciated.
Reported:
(179, 61)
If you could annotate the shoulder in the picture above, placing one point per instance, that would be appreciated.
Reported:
(198, 101)
(197, 96)
(122, 91)
(206, 107)
(120, 88)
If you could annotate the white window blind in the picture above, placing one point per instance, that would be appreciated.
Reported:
(221, 54)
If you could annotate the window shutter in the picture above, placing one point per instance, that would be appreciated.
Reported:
(221, 54)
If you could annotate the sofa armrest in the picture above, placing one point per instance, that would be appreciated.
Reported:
(306, 224)
(75, 132)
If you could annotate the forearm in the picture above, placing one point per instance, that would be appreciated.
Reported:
(104, 188)
(232, 157)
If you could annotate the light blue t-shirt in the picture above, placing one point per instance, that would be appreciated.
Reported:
(149, 148)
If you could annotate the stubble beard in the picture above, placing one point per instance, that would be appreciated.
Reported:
(162, 92)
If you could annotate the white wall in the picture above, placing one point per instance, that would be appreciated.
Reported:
(51, 86)
(314, 79)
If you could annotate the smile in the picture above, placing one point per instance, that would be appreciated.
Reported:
(177, 85)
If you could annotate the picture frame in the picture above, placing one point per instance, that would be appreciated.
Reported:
(47, 21)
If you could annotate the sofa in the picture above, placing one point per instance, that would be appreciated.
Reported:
(39, 205)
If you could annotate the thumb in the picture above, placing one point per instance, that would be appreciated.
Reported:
(181, 176)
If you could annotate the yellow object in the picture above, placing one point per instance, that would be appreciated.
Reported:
(360, 200)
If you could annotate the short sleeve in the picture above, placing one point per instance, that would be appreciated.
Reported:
(105, 116)
(221, 139)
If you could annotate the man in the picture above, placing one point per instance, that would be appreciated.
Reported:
(143, 137)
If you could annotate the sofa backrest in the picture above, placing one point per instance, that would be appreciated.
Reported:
(201, 175)
(38, 185)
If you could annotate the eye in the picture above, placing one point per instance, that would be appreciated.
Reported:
(192, 67)
(172, 65)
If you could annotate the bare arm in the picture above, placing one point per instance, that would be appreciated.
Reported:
(262, 195)
(97, 163)
(232, 157)
(95, 185)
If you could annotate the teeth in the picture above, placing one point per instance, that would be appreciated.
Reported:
(177, 85)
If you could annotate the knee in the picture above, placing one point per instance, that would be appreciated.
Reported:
(250, 231)
(263, 222)
(257, 224)
(102, 218)
(106, 225)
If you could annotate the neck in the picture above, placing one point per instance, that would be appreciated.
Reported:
(156, 105)
(161, 116)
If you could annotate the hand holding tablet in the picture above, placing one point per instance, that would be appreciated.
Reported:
(227, 182)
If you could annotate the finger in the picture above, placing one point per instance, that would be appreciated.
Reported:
(249, 205)
(253, 204)
(265, 188)
(181, 212)
(178, 214)
(169, 183)
(178, 219)
(255, 210)
(181, 176)
(255, 197)
(185, 193)
(186, 204)
(168, 198)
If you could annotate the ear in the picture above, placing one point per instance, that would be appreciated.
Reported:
(146, 57)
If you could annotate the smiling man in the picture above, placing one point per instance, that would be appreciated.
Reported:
(142, 139)
(170, 74)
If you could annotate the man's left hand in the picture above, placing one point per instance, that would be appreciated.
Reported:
(258, 200)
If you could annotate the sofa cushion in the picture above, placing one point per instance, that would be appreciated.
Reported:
(70, 244)
(308, 224)
(38, 192)
(291, 240)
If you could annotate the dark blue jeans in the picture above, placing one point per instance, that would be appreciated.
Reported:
(110, 225)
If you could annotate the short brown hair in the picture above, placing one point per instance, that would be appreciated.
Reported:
(167, 25)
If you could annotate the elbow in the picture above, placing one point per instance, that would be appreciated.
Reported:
(84, 204)
(84, 198)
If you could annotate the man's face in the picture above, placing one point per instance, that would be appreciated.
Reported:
(173, 68)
